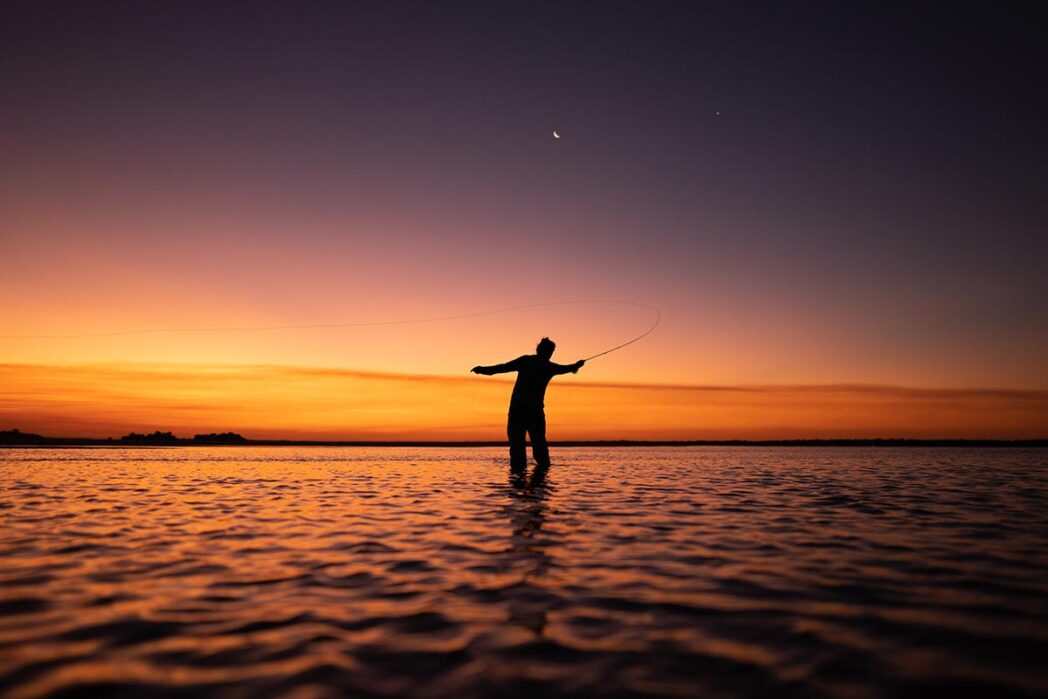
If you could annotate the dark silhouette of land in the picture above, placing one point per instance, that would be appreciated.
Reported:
(15, 438)
(161, 438)
(527, 412)
(156, 439)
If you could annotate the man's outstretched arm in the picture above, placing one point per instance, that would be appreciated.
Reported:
(497, 368)
(567, 368)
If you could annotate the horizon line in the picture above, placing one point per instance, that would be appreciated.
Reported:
(233, 439)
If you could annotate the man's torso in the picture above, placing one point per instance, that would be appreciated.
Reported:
(533, 376)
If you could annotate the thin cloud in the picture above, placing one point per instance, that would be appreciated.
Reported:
(296, 401)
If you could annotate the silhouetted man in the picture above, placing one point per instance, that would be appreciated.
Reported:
(526, 408)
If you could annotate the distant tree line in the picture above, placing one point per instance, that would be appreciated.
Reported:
(220, 438)
(159, 437)
(19, 437)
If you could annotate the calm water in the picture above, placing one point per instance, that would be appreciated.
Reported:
(433, 573)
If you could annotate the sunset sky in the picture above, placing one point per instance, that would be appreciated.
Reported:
(839, 210)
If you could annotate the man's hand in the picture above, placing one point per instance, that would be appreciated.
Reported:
(477, 369)
(578, 365)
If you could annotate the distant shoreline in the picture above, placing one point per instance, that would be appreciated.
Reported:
(29, 441)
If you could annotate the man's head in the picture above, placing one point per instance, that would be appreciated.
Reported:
(545, 348)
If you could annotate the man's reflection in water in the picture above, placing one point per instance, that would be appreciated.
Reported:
(530, 602)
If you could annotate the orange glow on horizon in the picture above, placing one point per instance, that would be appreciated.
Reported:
(102, 400)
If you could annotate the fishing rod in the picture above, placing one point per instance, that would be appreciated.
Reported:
(649, 331)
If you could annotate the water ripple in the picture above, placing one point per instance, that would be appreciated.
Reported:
(437, 573)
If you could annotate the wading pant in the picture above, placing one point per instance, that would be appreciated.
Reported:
(531, 422)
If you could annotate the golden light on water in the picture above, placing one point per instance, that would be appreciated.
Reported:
(306, 571)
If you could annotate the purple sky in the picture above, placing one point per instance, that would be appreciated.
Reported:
(850, 192)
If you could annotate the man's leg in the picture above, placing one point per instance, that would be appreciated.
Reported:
(515, 431)
(537, 430)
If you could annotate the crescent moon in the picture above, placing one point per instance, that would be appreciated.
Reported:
(556, 135)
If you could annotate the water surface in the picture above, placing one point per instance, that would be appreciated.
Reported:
(435, 572)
